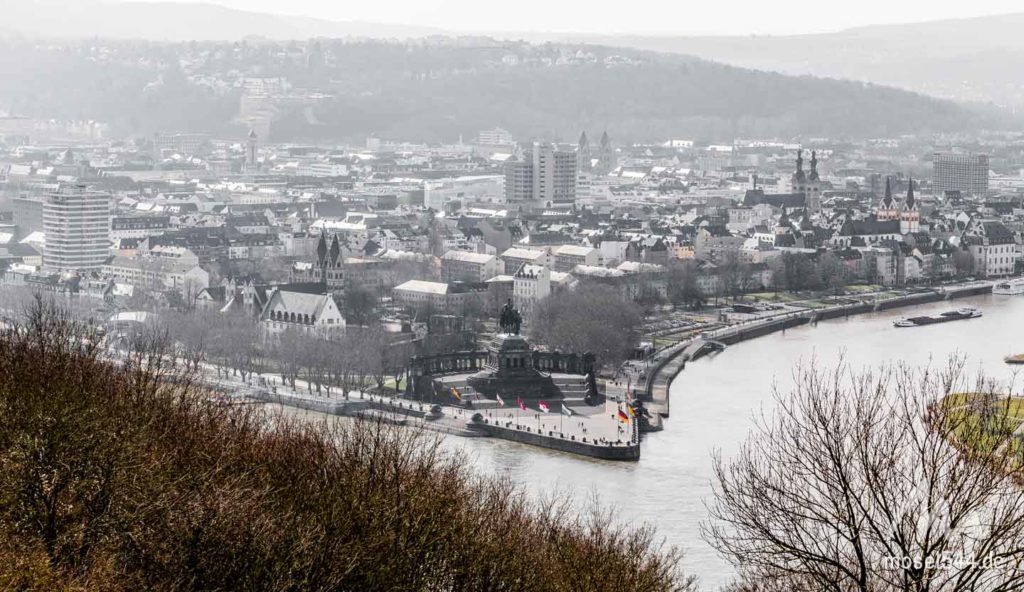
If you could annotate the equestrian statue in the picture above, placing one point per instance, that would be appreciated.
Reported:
(510, 320)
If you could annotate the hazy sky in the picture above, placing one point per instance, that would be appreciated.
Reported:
(702, 17)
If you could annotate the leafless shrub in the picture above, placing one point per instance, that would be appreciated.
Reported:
(112, 478)
(874, 481)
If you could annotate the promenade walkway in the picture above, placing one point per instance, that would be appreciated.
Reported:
(593, 426)
(668, 362)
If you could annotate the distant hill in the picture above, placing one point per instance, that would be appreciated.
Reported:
(439, 90)
(176, 21)
(972, 60)
(975, 59)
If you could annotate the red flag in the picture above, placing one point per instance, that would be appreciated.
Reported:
(544, 407)
(522, 405)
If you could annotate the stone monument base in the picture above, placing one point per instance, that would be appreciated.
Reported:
(510, 372)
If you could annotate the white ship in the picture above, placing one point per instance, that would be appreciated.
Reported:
(1012, 287)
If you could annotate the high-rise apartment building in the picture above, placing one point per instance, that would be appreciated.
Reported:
(495, 137)
(964, 172)
(584, 169)
(518, 182)
(544, 177)
(76, 221)
(183, 144)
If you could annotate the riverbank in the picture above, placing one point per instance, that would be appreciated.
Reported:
(582, 435)
(668, 363)
(718, 401)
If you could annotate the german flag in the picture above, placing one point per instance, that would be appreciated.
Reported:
(623, 417)
(456, 394)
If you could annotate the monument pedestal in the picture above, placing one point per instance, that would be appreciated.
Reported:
(511, 372)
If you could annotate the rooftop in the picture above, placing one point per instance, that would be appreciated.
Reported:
(468, 257)
(574, 250)
(423, 286)
(518, 253)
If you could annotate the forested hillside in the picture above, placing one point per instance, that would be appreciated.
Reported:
(437, 90)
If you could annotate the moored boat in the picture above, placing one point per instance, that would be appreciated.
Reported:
(959, 314)
(1012, 287)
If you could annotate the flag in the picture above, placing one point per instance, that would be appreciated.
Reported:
(456, 394)
(623, 417)
(501, 402)
(522, 405)
(630, 410)
(544, 407)
(566, 410)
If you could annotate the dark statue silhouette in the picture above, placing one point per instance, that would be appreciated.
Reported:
(510, 320)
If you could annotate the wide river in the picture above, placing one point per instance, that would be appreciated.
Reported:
(713, 403)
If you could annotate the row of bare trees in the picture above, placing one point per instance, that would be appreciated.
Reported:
(347, 361)
(237, 346)
(592, 318)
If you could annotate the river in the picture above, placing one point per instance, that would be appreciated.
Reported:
(713, 404)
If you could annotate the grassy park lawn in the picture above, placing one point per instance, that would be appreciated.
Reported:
(660, 342)
(772, 297)
(984, 423)
(862, 289)
(815, 304)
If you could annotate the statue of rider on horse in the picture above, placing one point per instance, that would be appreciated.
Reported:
(510, 320)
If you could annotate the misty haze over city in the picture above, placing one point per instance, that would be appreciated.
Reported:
(446, 295)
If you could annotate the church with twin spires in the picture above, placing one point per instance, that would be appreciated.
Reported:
(808, 184)
(905, 212)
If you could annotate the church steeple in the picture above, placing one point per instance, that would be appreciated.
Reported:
(321, 250)
(887, 200)
(799, 175)
(910, 218)
(606, 159)
(251, 151)
(583, 153)
(814, 165)
(335, 250)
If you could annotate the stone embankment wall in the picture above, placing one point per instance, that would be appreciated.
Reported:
(349, 407)
(353, 407)
(603, 451)
(669, 363)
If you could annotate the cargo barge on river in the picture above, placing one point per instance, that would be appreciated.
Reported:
(960, 314)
